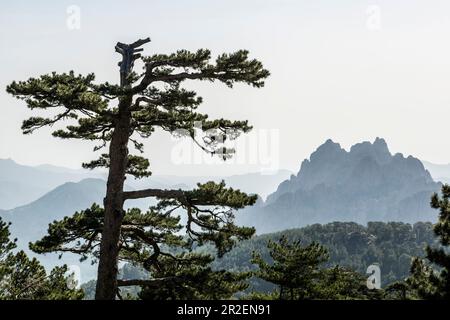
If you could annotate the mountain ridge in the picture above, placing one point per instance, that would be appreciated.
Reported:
(366, 183)
(21, 184)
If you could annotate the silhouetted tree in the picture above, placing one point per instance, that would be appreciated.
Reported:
(154, 241)
(117, 115)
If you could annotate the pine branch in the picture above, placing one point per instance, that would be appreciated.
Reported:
(229, 68)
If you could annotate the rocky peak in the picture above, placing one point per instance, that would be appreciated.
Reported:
(377, 150)
(370, 164)
(329, 149)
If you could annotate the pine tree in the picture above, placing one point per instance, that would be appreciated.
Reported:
(22, 278)
(295, 268)
(154, 241)
(299, 273)
(118, 115)
(428, 282)
(400, 290)
(339, 283)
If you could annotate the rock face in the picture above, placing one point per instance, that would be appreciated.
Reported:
(364, 184)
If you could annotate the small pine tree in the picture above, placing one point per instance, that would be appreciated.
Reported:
(428, 282)
(339, 283)
(399, 290)
(22, 278)
(298, 272)
(295, 269)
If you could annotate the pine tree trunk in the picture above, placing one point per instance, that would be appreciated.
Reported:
(106, 288)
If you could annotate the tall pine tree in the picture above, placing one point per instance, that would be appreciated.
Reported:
(118, 115)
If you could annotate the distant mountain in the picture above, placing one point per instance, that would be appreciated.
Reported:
(30, 222)
(256, 183)
(439, 172)
(20, 184)
(52, 197)
(364, 184)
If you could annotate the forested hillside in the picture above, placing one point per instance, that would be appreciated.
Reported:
(392, 245)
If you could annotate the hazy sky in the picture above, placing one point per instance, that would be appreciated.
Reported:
(347, 70)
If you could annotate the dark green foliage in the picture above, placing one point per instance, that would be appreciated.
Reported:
(229, 68)
(117, 115)
(26, 279)
(350, 245)
(136, 166)
(433, 281)
(93, 108)
(191, 277)
(343, 275)
(153, 241)
(297, 271)
(6, 245)
(295, 268)
(141, 231)
(400, 290)
(339, 283)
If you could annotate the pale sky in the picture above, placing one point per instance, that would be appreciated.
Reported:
(347, 70)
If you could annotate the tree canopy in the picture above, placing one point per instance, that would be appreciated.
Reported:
(22, 278)
(119, 115)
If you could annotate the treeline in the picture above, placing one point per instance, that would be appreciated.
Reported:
(391, 245)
